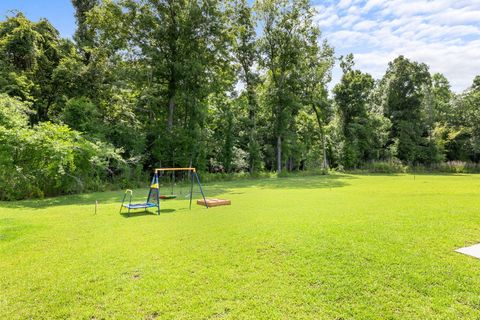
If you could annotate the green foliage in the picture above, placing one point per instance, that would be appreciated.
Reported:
(51, 159)
(20, 42)
(442, 98)
(30, 54)
(224, 86)
(82, 115)
(85, 34)
(288, 44)
(123, 126)
(405, 86)
(363, 131)
(458, 133)
(48, 159)
(181, 47)
(458, 167)
(246, 55)
(13, 113)
(70, 78)
(393, 166)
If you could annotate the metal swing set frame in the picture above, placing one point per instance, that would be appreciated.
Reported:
(154, 197)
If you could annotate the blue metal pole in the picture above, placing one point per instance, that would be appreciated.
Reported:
(158, 193)
(201, 190)
(191, 190)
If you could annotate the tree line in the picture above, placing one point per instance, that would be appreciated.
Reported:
(221, 85)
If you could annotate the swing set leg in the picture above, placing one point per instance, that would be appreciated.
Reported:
(201, 190)
(191, 189)
(123, 201)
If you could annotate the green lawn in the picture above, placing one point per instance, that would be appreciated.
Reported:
(321, 247)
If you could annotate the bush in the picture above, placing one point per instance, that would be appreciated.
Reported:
(49, 159)
(393, 166)
(454, 167)
(397, 167)
(239, 161)
(13, 113)
(82, 115)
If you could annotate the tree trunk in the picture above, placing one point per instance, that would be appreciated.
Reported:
(190, 165)
(171, 109)
(324, 147)
(251, 163)
(279, 154)
(252, 104)
(252, 149)
(322, 133)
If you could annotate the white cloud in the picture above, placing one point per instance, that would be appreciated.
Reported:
(348, 20)
(344, 4)
(445, 34)
(415, 7)
(454, 16)
(353, 10)
(372, 4)
(328, 21)
(364, 25)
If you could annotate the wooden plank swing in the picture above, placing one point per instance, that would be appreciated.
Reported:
(210, 202)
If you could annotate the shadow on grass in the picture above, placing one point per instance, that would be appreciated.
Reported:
(304, 182)
(134, 214)
(398, 174)
(440, 174)
(67, 200)
(211, 190)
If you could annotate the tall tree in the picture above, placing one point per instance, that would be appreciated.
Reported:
(246, 53)
(287, 28)
(405, 84)
(442, 95)
(84, 35)
(315, 77)
(361, 130)
(466, 119)
(177, 49)
(30, 53)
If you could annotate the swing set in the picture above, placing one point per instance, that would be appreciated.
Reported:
(154, 195)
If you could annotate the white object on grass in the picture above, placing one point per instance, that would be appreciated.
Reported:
(473, 251)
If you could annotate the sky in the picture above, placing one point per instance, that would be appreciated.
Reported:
(445, 34)
(59, 12)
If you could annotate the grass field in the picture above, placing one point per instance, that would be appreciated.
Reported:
(320, 247)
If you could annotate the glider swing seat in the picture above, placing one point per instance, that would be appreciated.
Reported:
(133, 206)
(154, 196)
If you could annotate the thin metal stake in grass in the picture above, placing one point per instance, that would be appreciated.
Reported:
(96, 206)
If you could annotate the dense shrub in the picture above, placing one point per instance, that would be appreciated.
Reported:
(48, 159)
(82, 115)
(449, 167)
(393, 166)
(13, 113)
(454, 166)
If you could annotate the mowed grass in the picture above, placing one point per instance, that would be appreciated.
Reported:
(320, 247)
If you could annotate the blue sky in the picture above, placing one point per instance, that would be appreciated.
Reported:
(59, 12)
(445, 34)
